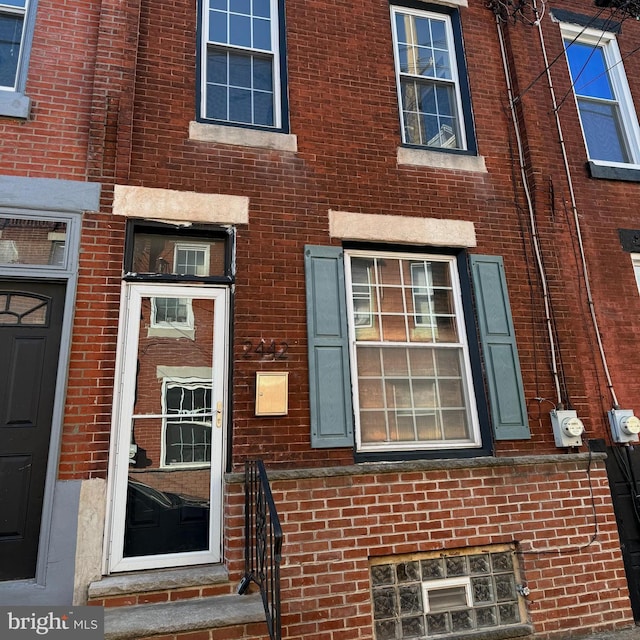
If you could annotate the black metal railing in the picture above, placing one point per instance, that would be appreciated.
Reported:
(263, 544)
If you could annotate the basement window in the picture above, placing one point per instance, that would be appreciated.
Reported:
(444, 594)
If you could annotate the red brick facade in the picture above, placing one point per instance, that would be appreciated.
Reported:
(113, 85)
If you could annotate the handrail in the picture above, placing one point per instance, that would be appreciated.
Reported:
(263, 544)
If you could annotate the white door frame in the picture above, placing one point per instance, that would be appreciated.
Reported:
(124, 396)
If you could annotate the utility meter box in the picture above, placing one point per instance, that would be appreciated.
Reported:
(567, 428)
(625, 427)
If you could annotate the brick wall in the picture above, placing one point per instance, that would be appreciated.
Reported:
(335, 522)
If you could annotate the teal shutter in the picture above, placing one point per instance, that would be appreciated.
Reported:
(329, 377)
(504, 379)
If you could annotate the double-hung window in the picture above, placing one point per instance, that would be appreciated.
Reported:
(241, 63)
(431, 79)
(410, 364)
(16, 27)
(394, 353)
(606, 110)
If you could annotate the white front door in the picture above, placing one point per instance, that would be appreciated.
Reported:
(169, 425)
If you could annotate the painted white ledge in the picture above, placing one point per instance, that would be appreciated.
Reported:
(440, 160)
(243, 137)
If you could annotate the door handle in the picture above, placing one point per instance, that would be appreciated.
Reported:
(219, 415)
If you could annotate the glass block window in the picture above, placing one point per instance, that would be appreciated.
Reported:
(440, 595)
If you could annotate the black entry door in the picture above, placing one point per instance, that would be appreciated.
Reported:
(30, 329)
(623, 469)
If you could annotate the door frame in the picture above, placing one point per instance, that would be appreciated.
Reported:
(66, 274)
(124, 390)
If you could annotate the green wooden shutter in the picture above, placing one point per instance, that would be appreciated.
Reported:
(502, 366)
(329, 374)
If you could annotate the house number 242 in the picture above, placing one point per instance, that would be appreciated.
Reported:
(265, 350)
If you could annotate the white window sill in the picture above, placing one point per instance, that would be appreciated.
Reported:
(614, 171)
(440, 160)
(14, 105)
(242, 137)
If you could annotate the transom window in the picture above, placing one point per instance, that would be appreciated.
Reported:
(607, 115)
(410, 360)
(241, 66)
(187, 425)
(427, 79)
(12, 18)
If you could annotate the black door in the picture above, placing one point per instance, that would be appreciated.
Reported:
(623, 470)
(30, 329)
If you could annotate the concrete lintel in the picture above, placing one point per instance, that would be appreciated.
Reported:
(368, 227)
(179, 206)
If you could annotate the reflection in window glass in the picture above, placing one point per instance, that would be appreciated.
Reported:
(178, 255)
(32, 242)
(413, 386)
(188, 427)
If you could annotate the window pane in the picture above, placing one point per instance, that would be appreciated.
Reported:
(589, 71)
(262, 34)
(240, 71)
(263, 109)
(178, 255)
(217, 68)
(240, 105)
(218, 27)
(240, 6)
(33, 242)
(240, 30)
(603, 131)
(10, 38)
(262, 8)
(217, 102)
(262, 75)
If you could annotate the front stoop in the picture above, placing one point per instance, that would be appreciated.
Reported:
(174, 618)
(172, 602)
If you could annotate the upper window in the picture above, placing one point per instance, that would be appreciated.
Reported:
(410, 360)
(16, 26)
(430, 78)
(608, 118)
(241, 63)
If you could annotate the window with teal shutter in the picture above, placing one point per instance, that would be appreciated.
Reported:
(394, 361)
(497, 337)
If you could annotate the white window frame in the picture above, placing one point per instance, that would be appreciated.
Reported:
(475, 439)
(273, 54)
(453, 82)
(13, 102)
(607, 42)
(191, 384)
(635, 261)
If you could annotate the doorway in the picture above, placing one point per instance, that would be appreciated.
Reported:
(623, 469)
(31, 316)
(169, 427)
